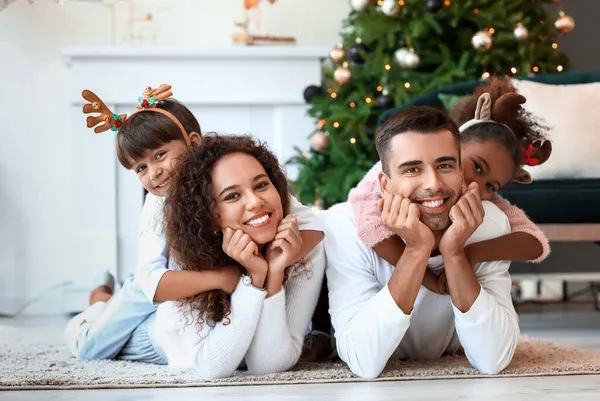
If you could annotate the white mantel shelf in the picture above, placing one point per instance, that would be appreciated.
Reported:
(157, 52)
(235, 75)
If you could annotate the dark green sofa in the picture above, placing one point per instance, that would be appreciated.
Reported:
(545, 201)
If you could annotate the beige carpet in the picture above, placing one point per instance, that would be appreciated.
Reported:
(28, 363)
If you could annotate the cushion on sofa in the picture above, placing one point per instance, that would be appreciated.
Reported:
(573, 115)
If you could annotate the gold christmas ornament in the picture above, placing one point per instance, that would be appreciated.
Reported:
(319, 141)
(342, 74)
(520, 32)
(482, 40)
(564, 23)
(337, 54)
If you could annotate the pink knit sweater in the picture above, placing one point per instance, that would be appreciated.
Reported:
(364, 197)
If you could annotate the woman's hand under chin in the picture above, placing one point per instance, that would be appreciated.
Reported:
(240, 247)
(281, 252)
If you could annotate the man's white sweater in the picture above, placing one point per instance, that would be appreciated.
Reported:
(370, 328)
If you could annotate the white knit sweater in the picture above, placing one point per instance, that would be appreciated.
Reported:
(371, 329)
(267, 332)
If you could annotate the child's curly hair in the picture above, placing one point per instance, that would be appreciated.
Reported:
(526, 127)
(191, 226)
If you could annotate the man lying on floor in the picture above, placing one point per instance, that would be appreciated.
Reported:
(380, 312)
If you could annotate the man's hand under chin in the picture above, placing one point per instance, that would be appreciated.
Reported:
(402, 217)
(466, 216)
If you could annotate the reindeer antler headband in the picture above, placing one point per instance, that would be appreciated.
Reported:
(506, 106)
(147, 102)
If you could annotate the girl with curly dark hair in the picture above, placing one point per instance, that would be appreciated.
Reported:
(229, 205)
(497, 139)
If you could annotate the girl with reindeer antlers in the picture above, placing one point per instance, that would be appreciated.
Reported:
(149, 143)
(498, 138)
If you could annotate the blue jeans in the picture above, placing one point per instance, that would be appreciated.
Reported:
(104, 330)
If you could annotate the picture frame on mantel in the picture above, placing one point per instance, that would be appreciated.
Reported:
(253, 19)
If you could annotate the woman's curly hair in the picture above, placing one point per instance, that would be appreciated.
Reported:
(191, 223)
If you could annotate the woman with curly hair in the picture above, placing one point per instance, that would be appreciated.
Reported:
(229, 205)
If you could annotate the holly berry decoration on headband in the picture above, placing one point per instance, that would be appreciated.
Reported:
(117, 122)
(146, 102)
(528, 158)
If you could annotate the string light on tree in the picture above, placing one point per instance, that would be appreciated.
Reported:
(520, 32)
(336, 125)
(513, 70)
(482, 40)
(564, 23)
(407, 85)
(485, 75)
(368, 100)
(559, 68)
(352, 141)
(535, 68)
(342, 74)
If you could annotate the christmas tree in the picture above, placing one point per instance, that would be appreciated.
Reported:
(393, 51)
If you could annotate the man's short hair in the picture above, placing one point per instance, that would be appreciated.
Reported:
(419, 119)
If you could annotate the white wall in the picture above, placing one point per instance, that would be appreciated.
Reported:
(37, 212)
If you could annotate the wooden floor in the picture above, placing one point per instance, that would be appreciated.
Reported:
(578, 327)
